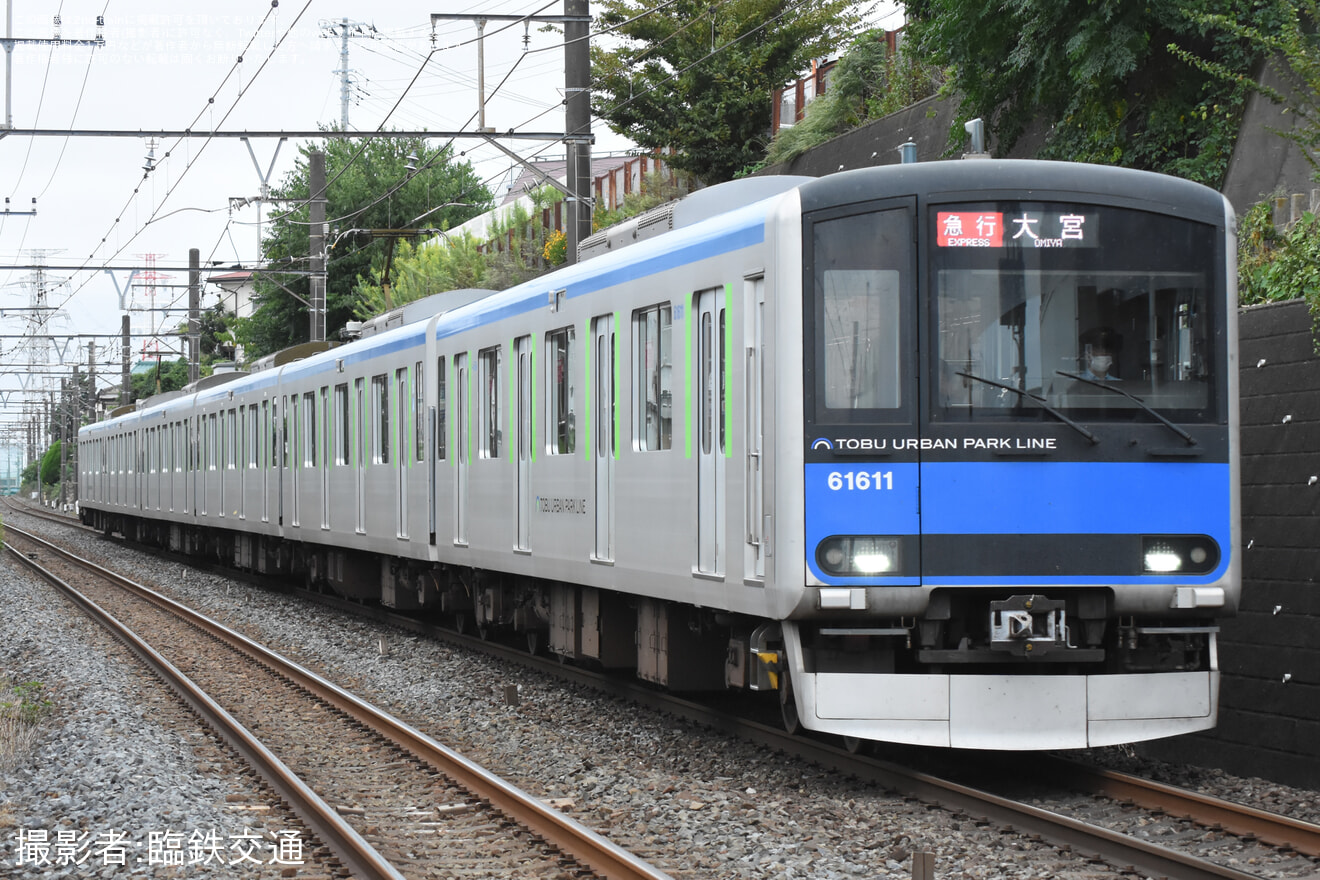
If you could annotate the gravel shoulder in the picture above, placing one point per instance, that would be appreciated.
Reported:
(694, 802)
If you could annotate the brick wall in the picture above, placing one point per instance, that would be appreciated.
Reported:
(1270, 653)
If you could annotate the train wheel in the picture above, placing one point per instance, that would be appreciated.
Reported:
(788, 705)
(533, 642)
(460, 622)
(853, 744)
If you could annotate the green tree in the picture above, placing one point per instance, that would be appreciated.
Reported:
(696, 77)
(368, 186)
(173, 375)
(50, 464)
(1100, 74)
(217, 339)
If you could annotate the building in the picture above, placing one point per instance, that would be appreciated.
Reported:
(236, 289)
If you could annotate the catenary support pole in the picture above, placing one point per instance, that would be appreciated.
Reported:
(577, 123)
(194, 314)
(316, 243)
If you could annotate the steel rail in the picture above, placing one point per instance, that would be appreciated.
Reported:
(1112, 847)
(348, 846)
(1203, 809)
(567, 834)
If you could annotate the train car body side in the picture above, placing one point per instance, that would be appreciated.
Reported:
(866, 444)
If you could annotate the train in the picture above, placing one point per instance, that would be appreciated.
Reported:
(940, 453)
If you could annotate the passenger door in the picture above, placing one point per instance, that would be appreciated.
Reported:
(754, 382)
(360, 471)
(602, 381)
(461, 448)
(402, 452)
(523, 412)
(711, 352)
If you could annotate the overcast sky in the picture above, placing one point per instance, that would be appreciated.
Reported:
(176, 66)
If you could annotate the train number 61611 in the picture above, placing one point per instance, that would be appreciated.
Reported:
(882, 481)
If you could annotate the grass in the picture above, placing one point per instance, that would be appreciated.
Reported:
(23, 708)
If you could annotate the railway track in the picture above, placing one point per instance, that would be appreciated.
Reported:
(1124, 851)
(388, 801)
(1202, 809)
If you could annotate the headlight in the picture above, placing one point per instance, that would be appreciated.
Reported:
(1188, 554)
(858, 555)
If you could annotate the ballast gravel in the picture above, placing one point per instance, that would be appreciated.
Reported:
(119, 780)
(694, 802)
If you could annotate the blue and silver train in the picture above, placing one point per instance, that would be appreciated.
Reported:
(940, 453)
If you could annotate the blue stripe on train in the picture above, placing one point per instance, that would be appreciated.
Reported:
(1017, 497)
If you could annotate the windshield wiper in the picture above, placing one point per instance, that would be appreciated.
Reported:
(1191, 441)
(1039, 401)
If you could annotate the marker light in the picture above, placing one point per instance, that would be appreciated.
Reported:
(858, 555)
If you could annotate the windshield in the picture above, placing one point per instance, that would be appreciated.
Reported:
(1084, 307)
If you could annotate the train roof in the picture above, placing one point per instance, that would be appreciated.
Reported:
(703, 231)
(1016, 179)
(708, 238)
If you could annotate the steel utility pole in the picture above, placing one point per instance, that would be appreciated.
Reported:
(91, 379)
(194, 317)
(576, 21)
(316, 243)
(126, 384)
(346, 29)
(577, 122)
(64, 438)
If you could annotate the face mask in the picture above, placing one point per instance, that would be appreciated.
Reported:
(1101, 363)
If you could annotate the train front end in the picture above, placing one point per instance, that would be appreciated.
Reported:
(1019, 465)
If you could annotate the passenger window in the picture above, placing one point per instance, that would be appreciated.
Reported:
(440, 410)
(401, 395)
(419, 411)
(653, 371)
(309, 430)
(489, 403)
(723, 370)
(254, 438)
(707, 398)
(341, 424)
(562, 435)
(325, 427)
(380, 419)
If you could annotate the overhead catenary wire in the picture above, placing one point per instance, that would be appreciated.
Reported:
(202, 112)
(205, 139)
(160, 213)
